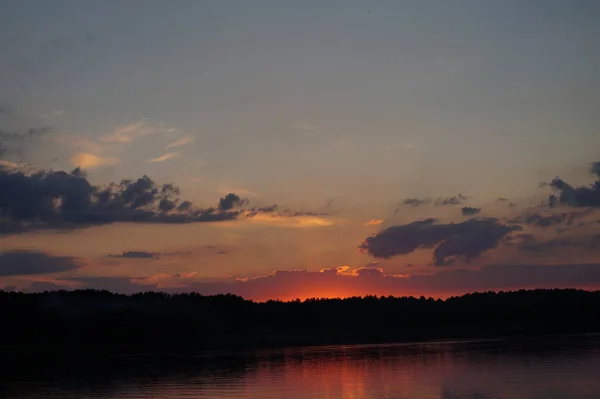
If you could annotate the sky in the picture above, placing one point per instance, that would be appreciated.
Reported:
(279, 149)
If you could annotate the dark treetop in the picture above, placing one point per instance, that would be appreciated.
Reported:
(88, 321)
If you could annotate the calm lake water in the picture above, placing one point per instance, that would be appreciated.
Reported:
(552, 368)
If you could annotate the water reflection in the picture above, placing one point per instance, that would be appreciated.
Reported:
(508, 369)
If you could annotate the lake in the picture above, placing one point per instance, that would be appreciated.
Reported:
(536, 368)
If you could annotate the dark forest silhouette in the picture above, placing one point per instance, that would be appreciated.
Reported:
(88, 321)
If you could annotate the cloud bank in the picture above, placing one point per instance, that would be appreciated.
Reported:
(28, 262)
(345, 282)
(583, 196)
(57, 199)
(452, 241)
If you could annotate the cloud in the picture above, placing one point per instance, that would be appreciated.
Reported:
(466, 241)
(553, 219)
(88, 160)
(416, 201)
(231, 201)
(15, 142)
(57, 199)
(28, 262)
(142, 254)
(344, 281)
(456, 200)
(183, 275)
(441, 201)
(288, 220)
(469, 211)
(127, 133)
(13, 165)
(595, 168)
(530, 243)
(583, 196)
(287, 217)
(165, 157)
(136, 255)
(374, 222)
(181, 142)
(238, 190)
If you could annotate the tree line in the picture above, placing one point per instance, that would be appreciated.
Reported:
(90, 320)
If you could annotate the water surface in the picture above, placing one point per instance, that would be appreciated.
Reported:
(552, 368)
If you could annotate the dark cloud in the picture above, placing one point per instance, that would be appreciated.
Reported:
(583, 196)
(136, 254)
(290, 284)
(57, 199)
(291, 213)
(469, 211)
(185, 206)
(505, 200)
(441, 201)
(14, 142)
(466, 240)
(231, 201)
(595, 168)
(548, 220)
(263, 209)
(275, 211)
(27, 262)
(144, 254)
(456, 200)
(416, 201)
(530, 243)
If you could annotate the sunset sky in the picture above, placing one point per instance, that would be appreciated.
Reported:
(410, 147)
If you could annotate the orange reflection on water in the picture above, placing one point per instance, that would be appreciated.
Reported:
(507, 369)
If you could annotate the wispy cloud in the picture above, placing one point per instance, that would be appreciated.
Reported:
(165, 157)
(88, 160)
(373, 222)
(181, 142)
(136, 255)
(9, 164)
(127, 133)
(290, 221)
